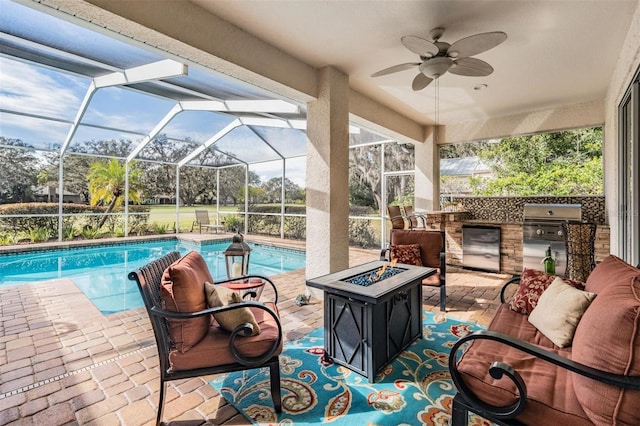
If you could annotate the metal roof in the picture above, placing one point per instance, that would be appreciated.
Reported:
(97, 86)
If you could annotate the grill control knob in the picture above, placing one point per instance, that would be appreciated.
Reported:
(560, 233)
(539, 231)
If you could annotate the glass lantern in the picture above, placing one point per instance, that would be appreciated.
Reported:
(236, 257)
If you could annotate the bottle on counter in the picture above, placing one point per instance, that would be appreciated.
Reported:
(549, 262)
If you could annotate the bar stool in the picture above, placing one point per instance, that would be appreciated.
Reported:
(580, 240)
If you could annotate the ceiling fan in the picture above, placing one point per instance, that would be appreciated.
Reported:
(438, 57)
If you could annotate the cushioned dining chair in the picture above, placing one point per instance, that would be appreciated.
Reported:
(396, 217)
(416, 220)
(195, 339)
(421, 248)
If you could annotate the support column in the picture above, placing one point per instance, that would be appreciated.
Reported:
(328, 175)
(427, 176)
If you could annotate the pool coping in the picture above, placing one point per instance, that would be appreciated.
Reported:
(198, 239)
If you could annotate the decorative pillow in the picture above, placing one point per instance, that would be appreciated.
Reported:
(532, 284)
(407, 253)
(218, 295)
(183, 291)
(608, 338)
(559, 310)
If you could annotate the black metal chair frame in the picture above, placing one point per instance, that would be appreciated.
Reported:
(466, 401)
(149, 279)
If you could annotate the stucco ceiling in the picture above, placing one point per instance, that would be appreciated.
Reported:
(557, 53)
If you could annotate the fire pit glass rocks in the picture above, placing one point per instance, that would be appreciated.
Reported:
(373, 276)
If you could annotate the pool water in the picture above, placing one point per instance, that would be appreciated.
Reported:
(101, 271)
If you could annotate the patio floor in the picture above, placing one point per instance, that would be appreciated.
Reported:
(63, 362)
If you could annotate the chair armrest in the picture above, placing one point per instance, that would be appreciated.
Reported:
(513, 281)
(498, 369)
(419, 218)
(383, 254)
(264, 279)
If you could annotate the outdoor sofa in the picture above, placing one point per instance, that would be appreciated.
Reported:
(514, 373)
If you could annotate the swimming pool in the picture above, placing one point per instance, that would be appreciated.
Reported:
(101, 271)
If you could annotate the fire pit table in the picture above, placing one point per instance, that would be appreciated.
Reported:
(371, 316)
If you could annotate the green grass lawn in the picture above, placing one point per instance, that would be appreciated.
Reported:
(166, 215)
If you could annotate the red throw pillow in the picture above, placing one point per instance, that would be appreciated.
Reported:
(532, 284)
(408, 254)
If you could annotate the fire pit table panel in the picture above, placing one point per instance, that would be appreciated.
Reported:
(366, 326)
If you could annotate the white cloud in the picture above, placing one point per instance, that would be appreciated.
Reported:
(34, 90)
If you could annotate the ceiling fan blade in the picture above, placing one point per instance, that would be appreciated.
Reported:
(395, 68)
(471, 67)
(475, 44)
(420, 46)
(420, 82)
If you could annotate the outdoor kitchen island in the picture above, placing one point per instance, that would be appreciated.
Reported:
(371, 316)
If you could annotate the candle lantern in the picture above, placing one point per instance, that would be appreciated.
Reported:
(236, 257)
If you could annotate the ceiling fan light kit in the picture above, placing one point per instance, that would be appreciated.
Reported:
(435, 67)
(437, 57)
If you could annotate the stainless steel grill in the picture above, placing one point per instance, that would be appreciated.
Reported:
(542, 227)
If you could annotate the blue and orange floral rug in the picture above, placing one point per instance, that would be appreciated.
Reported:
(415, 389)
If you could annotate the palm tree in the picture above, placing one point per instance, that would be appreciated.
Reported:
(107, 185)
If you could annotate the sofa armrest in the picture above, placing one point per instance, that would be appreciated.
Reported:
(503, 291)
(498, 369)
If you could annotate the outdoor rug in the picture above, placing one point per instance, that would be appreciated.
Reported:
(414, 389)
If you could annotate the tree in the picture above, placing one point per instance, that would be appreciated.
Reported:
(107, 185)
(365, 169)
(273, 190)
(560, 163)
(19, 170)
(232, 183)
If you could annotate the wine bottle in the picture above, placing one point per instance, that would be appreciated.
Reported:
(549, 263)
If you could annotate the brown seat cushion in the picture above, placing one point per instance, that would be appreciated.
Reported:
(547, 384)
(608, 338)
(183, 291)
(433, 280)
(213, 349)
(431, 244)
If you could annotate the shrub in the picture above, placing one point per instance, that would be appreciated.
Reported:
(91, 233)
(68, 232)
(361, 234)
(39, 234)
(84, 217)
(233, 222)
(159, 228)
(8, 239)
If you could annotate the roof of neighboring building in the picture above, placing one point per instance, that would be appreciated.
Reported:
(463, 166)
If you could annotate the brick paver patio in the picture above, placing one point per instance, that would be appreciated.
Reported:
(63, 362)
